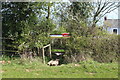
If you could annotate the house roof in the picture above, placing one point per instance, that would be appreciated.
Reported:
(114, 23)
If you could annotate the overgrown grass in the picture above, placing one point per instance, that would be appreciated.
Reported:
(87, 69)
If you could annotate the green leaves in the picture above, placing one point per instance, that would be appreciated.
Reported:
(26, 23)
(81, 10)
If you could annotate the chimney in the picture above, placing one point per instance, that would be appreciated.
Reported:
(105, 18)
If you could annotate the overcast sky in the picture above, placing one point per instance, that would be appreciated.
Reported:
(113, 15)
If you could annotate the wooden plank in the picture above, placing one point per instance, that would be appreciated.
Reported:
(46, 46)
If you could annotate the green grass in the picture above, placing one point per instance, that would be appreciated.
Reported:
(88, 69)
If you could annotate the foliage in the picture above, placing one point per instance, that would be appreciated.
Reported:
(26, 30)
(37, 36)
(105, 49)
(82, 44)
(59, 30)
(81, 10)
(15, 17)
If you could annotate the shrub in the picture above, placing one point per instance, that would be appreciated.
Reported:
(105, 49)
(101, 49)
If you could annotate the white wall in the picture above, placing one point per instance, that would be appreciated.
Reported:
(119, 31)
(110, 30)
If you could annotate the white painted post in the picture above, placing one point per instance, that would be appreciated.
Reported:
(44, 52)
(50, 51)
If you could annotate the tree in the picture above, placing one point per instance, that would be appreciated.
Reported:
(76, 24)
(16, 17)
(81, 10)
(78, 18)
(13, 15)
(101, 9)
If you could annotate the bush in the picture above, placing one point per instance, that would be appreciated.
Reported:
(101, 49)
(105, 49)
(77, 49)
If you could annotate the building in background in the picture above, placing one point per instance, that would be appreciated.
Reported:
(112, 25)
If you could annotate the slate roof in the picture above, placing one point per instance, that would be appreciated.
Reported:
(113, 23)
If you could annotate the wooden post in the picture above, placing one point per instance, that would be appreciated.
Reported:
(43, 56)
(44, 52)
(50, 51)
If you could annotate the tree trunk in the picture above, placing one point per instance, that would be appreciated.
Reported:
(48, 16)
(38, 51)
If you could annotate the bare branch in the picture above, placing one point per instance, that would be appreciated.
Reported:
(103, 9)
(108, 7)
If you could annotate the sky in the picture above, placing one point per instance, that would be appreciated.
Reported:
(113, 15)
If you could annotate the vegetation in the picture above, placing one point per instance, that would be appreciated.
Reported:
(89, 50)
